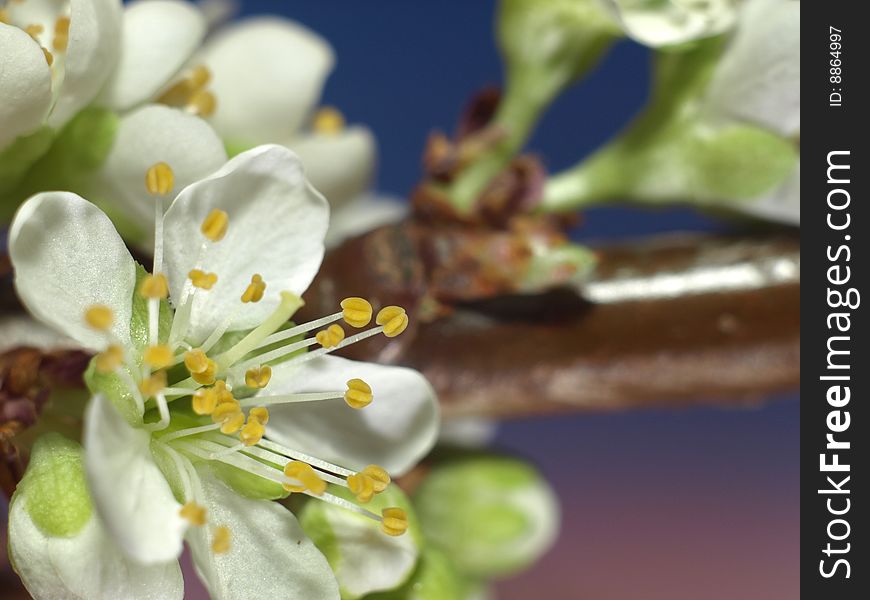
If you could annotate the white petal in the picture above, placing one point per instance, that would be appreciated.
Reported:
(87, 565)
(340, 165)
(667, 22)
(395, 431)
(21, 330)
(362, 214)
(269, 555)
(67, 257)
(25, 84)
(149, 135)
(758, 78)
(130, 492)
(277, 223)
(91, 54)
(268, 74)
(158, 38)
(782, 204)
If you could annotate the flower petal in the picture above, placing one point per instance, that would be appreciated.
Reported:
(758, 78)
(362, 214)
(158, 38)
(277, 223)
(149, 135)
(67, 257)
(92, 50)
(269, 556)
(86, 563)
(268, 74)
(397, 429)
(25, 84)
(131, 494)
(340, 165)
(667, 22)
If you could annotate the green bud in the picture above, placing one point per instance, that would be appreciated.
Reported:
(54, 487)
(355, 546)
(493, 516)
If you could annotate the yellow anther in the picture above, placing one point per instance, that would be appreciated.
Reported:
(224, 410)
(395, 521)
(61, 34)
(252, 432)
(99, 316)
(49, 57)
(109, 359)
(153, 385)
(260, 413)
(220, 541)
(258, 377)
(157, 357)
(358, 394)
(34, 30)
(202, 103)
(193, 513)
(306, 475)
(199, 76)
(379, 476)
(207, 375)
(196, 361)
(328, 120)
(204, 401)
(394, 319)
(154, 286)
(214, 226)
(233, 423)
(202, 280)
(224, 395)
(357, 312)
(4, 16)
(361, 486)
(255, 290)
(159, 179)
(330, 337)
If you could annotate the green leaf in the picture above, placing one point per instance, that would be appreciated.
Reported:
(57, 495)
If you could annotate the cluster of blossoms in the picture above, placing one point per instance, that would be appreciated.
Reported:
(205, 402)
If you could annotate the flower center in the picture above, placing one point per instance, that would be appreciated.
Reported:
(52, 34)
(211, 400)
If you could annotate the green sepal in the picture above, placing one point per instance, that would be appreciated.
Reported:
(435, 578)
(58, 500)
(116, 390)
(139, 316)
(15, 160)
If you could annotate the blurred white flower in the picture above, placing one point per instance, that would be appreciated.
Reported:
(659, 23)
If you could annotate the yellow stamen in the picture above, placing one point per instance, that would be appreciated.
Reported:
(328, 120)
(199, 76)
(305, 474)
(202, 280)
(109, 359)
(395, 521)
(261, 413)
(394, 319)
(4, 16)
(157, 357)
(193, 513)
(204, 401)
(379, 476)
(34, 30)
(159, 179)
(153, 385)
(196, 360)
(49, 57)
(255, 290)
(233, 423)
(215, 225)
(230, 416)
(154, 287)
(358, 394)
(202, 103)
(330, 337)
(361, 486)
(252, 432)
(99, 317)
(224, 395)
(207, 375)
(220, 541)
(61, 34)
(258, 377)
(357, 312)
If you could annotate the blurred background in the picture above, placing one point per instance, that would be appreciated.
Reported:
(690, 503)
